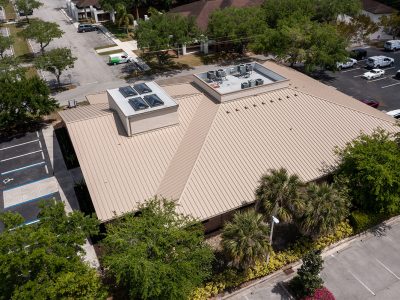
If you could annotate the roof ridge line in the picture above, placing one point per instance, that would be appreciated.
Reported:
(338, 104)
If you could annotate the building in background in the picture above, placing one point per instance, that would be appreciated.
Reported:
(80, 10)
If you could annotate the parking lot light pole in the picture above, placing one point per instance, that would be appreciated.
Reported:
(273, 221)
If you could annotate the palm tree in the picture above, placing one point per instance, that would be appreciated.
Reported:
(136, 4)
(280, 195)
(123, 19)
(245, 239)
(325, 208)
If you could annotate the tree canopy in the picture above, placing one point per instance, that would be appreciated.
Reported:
(165, 31)
(26, 6)
(325, 208)
(42, 32)
(22, 99)
(391, 24)
(246, 239)
(358, 29)
(158, 254)
(56, 61)
(43, 260)
(5, 43)
(236, 26)
(370, 167)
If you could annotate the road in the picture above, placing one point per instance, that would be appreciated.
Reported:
(90, 73)
(366, 268)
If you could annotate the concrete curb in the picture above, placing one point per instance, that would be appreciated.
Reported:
(339, 246)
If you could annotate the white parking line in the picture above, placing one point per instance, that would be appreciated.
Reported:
(373, 80)
(22, 155)
(37, 133)
(363, 284)
(386, 86)
(23, 168)
(387, 269)
(40, 144)
(47, 169)
(5, 148)
(351, 70)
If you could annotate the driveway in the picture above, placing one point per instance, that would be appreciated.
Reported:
(384, 89)
(90, 73)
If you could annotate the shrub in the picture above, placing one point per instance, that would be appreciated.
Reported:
(230, 278)
(361, 221)
(321, 294)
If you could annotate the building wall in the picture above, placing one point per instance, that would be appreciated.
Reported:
(153, 120)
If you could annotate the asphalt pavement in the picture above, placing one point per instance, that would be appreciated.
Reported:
(384, 89)
(90, 73)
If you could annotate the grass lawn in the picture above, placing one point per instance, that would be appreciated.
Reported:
(9, 10)
(21, 47)
(191, 60)
(119, 32)
(104, 47)
(31, 72)
(111, 52)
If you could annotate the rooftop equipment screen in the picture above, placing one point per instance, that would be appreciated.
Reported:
(142, 88)
(153, 100)
(138, 103)
(127, 91)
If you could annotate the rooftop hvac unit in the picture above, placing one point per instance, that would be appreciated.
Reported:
(252, 83)
(221, 73)
(259, 81)
(249, 67)
(211, 75)
(245, 85)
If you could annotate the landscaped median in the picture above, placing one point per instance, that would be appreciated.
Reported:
(230, 278)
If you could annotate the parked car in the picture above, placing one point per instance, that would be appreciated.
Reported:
(392, 45)
(22, 13)
(87, 27)
(379, 61)
(358, 53)
(372, 103)
(120, 58)
(374, 73)
(349, 63)
(394, 113)
(397, 76)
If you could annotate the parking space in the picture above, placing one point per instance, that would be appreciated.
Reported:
(369, 269)
(384, 89)
(26, 174)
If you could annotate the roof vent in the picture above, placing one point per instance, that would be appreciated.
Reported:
(237, 109)
(287, 96)
(263, 103)
(295, 95)
(279, 98)
(246, 107)
(254, 105)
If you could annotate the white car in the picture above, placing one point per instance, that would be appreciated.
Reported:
(394, 113)
(374, 73)
(349, 63)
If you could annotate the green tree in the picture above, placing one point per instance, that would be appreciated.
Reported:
(42, 32)
(5, 43)
(391, 24)
(245, 240)
(56, 61)
(236, 26)
(329, 10)
(307, 279)
(123, 19)
(279, 194)
(358, 29)
(26, 6)
(127, 4)
(158, 254)
(23, 99)
(300, 40)
(325, 208)
(165, 31)
(44, 260)
(370, 167)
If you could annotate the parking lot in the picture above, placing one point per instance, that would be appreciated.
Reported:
(26, 174)
(368, 269)
(385, 89)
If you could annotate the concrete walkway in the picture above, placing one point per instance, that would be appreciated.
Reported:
(128, 47)
(66, 186)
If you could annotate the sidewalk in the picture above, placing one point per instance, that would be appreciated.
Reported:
(128, 47)
(66, 186)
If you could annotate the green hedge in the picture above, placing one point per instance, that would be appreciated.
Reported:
(230, 278)
(361, 221)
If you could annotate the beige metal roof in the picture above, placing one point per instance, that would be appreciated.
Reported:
(211, 162)
(84, 112)
(99, 98)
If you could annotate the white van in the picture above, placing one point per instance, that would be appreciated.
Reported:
(392, 45)
(379, 61)
(119, 58)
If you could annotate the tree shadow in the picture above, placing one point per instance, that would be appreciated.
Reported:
(380, 230)
(280, 290)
